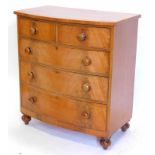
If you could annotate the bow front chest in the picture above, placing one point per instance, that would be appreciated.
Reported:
(77, 68)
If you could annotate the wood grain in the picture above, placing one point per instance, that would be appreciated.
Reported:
(63, 57)
(59, 81)
(95, 37)
(122, 79)
(44, 31)
(52, 121)
(64, 109)
(74, 15)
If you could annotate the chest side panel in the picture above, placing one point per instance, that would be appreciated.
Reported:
(123, 69)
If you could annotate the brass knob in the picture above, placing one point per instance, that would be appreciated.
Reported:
(32, 100)
(86, 87)
(85, 115)
(30, 75)
(86, 61)
(28, 50)
(82, 36)
(33, 30)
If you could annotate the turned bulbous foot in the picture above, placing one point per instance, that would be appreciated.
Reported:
(125, 127)
(26, 119)
(105, 143)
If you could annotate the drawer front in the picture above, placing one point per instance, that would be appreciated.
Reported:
(63, 57)
(63, 109)
(83, 36)
(76, 85)
(37, 30)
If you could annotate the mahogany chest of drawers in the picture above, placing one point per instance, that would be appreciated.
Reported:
(77, 68)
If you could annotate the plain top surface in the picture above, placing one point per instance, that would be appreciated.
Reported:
(61, 13)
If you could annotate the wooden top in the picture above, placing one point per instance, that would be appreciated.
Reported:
(80, 16)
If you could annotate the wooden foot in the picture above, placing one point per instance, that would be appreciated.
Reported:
(125, 127)
(26, 119)
(105, 142)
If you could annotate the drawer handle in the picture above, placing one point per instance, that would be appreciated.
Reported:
(85, 115)
(30, 75)
(82, 36)
(28, 50)
(86, 87)
(32, 100)
(86, 61)
(33, 30)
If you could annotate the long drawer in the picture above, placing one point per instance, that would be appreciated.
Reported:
(76, 85)
(63, 109)
(94, 62)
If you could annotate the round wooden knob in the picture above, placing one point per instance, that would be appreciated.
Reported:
(86, 87)
(86, 61)
(85, 115)
(30, 75)
(32, 100)
(82, 36)
(28, 50)
(33, 30)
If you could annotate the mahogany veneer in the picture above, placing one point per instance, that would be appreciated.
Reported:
(77, 68)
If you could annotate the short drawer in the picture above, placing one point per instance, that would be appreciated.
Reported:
(63, 109)
(83, 36)
(67, 83)
(36, 29)
(66, 58)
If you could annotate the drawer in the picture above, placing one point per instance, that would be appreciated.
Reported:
(63, 57)
(36, 30)
(67, 83)
(63, 109)
(91, 37)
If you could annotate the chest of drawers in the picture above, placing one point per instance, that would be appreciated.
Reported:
(77, 68)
